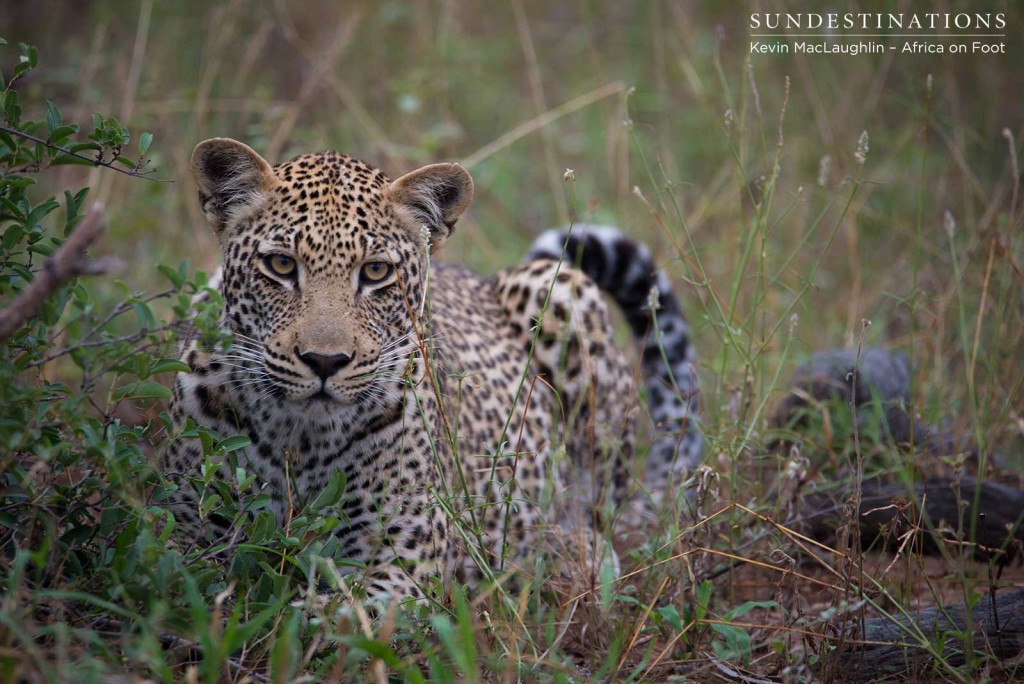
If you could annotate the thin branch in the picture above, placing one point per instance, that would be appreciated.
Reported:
(135, 172)
(122, 307)
(66, 263)
(130, 338)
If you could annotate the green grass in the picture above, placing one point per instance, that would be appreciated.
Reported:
(748, 176)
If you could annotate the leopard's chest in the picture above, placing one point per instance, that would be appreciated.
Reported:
(295, 451)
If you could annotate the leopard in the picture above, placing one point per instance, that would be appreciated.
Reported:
(501, 404)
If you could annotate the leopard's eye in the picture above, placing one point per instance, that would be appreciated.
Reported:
(280, 264)
(376, 271)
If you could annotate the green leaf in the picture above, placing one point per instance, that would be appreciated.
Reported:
(743, 609)
(73, 205)
(332, 493)
(12, 108)
(15, 211)
(60, 134)
(68, 160)
(703, 597)
(233, 443)
(5, 138)
(168, 366)
(22, 271)
(737, 642)
(12, 236)
(147, 389)
(53, 118)
(145, 140)
(44, 249)
(207, 439)
(144, 315)
(38, 213)
(176, 278)
(84, 146)
(263, 525)
(672, 617)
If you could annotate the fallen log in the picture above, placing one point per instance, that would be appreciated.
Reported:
(890, 509)
(993, 628)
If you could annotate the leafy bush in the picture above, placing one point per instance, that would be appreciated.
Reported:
(87, 572)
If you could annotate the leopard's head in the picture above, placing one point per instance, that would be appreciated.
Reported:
(325, 264)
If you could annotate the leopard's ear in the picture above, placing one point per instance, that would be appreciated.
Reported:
(233, 180)
(434, 196)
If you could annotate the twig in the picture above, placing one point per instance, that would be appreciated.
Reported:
(66, 263)
(130, 338)
(135, 172)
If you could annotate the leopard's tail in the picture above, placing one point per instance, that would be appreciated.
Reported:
(626, 270)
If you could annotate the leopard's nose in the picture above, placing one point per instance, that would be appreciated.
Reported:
(324, 365)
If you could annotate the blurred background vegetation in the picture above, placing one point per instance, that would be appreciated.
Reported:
(782, 224)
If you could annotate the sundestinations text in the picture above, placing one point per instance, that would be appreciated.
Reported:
(881, 21)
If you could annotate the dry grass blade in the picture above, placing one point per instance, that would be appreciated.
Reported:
(539, 122)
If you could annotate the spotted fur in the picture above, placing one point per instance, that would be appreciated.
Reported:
(426, 384)
(626, 270)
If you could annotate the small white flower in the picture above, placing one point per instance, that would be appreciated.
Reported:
(824, 166)
(425, 237)
(949, 223)
(861, 155)
(653, 299)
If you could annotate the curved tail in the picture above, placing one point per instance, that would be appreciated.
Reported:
(625, 269)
